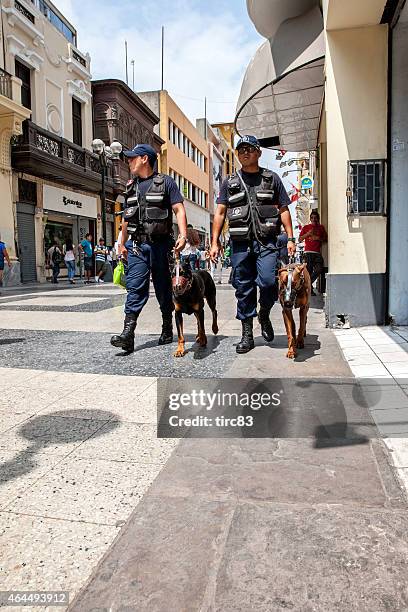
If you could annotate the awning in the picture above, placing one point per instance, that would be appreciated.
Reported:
(267, 15)
(282, 91)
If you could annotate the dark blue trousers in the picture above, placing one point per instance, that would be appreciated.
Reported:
(254, 266)
(149, 257)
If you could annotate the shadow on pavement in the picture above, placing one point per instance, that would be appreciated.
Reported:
(63, 427)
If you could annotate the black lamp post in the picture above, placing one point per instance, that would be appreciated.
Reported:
(105, 154)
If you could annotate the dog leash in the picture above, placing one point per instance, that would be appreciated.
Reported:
(177, 258)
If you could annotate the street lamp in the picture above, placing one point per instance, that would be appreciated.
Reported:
(105, 154)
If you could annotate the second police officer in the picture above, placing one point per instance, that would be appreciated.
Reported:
(255, 203)
(150, 200)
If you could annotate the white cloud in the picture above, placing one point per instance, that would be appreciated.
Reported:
(206, 49)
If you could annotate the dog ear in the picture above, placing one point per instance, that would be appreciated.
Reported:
(301, 267)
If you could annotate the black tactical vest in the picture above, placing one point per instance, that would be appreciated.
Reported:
(251, 211)
(148, 214)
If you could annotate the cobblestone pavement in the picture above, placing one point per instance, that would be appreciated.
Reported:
(92, 502)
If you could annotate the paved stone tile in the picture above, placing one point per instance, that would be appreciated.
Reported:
(63, 300)
(30, 400)
(277, 480)
(391, 421)
(11, 377)
(96, 491)
(52, 378)
(399, 451)
(51, 433)
(403, 477)
(11, 418)
(125, 398)
(92, 353)
(320, 559)
(365, 359)
(373, 370)
(47, 554)
(18, 471)
(389, 347)
(164, 560)
(398, 369)
(127, 442)
(240, 451)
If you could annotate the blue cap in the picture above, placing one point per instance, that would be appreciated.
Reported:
(248, 140)
(140, 150)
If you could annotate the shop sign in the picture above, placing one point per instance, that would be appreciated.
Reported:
(69, 202)
(307, 182)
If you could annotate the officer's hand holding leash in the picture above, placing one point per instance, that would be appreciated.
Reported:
(180, 244)
(214, 252)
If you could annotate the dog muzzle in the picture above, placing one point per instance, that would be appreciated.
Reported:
(180, 284)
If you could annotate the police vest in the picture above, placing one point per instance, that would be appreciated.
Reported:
(148, 214)
(251, 212)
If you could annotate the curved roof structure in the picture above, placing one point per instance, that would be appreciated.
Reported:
(282, 91)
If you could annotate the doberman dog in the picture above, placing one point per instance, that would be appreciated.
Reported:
(294, 292)
(189, 290)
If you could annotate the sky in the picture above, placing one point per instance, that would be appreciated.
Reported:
(208, 46)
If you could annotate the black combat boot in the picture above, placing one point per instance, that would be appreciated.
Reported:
(167, 329)
(266, 326)
(126, 340)
(247, 341)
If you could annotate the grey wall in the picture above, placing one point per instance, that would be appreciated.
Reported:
(152, 100)
(359, 297)
(398, 298)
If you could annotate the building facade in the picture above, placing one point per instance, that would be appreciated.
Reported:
(120, 115)
(341, 90)
(184, 156)
(56, 180)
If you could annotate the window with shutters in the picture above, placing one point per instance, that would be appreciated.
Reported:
(24, 73)
(76, 122)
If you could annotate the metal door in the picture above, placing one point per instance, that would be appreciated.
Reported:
(26, 246)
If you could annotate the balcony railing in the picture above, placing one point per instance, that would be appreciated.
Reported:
(22, 9)
(36, 138)
(78, 58)
(5, 84)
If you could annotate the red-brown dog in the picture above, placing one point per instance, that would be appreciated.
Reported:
(294, 292)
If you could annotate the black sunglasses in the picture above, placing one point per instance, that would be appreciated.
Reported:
(247, 149)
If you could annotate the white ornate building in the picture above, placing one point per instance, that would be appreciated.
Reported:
(51, 157)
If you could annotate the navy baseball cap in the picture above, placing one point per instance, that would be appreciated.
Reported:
(141, 150)
(248, 140)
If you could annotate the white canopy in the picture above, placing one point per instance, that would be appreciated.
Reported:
(282, 91)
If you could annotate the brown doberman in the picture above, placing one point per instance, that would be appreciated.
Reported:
(294, 292)
(189, 290)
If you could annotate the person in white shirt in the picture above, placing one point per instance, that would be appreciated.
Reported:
(69, 258)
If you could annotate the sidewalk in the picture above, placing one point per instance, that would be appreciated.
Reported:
(93, 503)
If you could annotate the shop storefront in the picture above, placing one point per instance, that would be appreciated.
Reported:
(67, 215)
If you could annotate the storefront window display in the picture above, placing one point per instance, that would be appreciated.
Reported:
(59, 232)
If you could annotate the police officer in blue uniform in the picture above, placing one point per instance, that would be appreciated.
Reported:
(255, 203)
(147, 234)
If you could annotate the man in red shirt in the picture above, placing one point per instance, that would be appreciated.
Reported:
(314, 234)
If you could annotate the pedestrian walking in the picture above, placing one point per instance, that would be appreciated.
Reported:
(256, 203)
(190, 253)
(151, 198)
(54, 261)
(69, 258)
(101, 253)
(85, 247)
(3, 256)
(111, 258)
(203, 257)
(313, 235)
